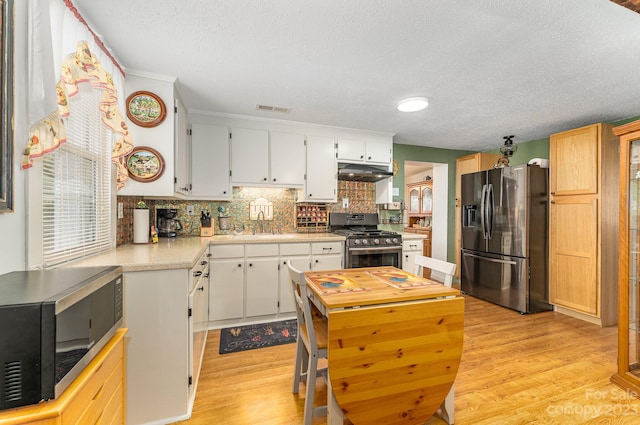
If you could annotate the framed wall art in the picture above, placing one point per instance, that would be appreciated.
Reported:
(145, 109)
(6, 106)
(145, 164)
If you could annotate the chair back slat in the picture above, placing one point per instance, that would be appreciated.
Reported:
(448, 269)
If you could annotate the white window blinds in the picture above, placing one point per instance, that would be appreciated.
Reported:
(76, 185)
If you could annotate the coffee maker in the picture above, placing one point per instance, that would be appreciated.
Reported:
(168, 224)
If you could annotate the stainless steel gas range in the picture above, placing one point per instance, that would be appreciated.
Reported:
(366, 245)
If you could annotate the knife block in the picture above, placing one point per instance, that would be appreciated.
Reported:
(206, 231)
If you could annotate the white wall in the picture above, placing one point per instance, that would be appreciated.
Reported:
(13, 225)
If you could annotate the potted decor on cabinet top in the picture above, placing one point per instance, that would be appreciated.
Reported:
(141, 223)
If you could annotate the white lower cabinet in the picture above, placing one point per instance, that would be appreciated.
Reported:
(326, 255)
(226, 279)
(299, 255)
(261, 297)
(166, 314)
(251, 281)
(410, 248)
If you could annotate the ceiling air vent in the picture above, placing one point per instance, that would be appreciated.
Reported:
(273, 109)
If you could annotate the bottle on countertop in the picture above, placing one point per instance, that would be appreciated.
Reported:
(154, 235)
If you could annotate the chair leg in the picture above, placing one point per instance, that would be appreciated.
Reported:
(297, 372)
(311, 389)
(447, 407)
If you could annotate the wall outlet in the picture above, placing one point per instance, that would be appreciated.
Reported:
(120, 210)
(345, 202)
(190, 209)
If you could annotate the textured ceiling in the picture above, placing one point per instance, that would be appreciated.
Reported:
(488, 67)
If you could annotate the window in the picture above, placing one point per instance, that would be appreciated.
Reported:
(76, 185)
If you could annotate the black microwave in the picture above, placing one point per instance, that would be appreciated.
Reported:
(52, 324)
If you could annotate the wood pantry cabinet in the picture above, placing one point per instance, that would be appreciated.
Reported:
(628, 374)
(464, 165)
(583, 225)
(96, 396)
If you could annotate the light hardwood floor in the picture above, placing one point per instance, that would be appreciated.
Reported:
(543, 368)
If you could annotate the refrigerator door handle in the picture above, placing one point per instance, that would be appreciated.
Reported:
(490, 211)
(493, 260)
(482, 211)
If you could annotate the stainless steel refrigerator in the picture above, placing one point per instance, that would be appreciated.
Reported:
(504, 256)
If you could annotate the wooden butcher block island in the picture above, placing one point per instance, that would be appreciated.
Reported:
(395, 343)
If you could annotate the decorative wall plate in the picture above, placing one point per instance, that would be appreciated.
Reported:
(145, 109)
(145, 164)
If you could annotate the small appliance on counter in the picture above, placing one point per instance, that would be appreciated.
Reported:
(168, 224)
(54, 322)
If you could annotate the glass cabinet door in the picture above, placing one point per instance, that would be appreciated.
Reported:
(414, 200)
(427, 199)
(633, 256)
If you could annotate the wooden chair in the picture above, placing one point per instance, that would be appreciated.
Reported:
(446, 409)
(311, 345)
(435, 265)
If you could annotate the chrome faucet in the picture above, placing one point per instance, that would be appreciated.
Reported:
(261, 222)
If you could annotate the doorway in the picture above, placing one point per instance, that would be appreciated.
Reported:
(415, 171)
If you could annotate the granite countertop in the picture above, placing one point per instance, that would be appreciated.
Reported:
(184, 252)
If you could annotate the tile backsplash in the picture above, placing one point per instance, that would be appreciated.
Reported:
(361, 196)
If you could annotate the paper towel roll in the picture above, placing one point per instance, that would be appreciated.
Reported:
(541, 162)
(140, 226)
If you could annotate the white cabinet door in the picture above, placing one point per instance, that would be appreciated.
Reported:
(351, 150)
(300, 262)
(262, 286)
(322, 177)
(198, 325)
(249, 156)
(326, 262)
(226, 298)
(378, 152)
(410, 248)
(210, 162)
(287, 159)
(182, 155)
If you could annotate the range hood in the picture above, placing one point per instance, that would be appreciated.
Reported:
(362, 172)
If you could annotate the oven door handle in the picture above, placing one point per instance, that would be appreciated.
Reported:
(376, 248)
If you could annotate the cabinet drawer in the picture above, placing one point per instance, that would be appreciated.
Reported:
(96, 389)
(295, 249)
(226, 251)
(326, 248)
(412, 245)
(113, 412)
(262, 250)
(100, 408)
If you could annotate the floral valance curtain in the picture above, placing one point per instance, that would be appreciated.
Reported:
(61, 40)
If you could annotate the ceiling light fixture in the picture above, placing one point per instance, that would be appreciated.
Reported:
(413, 104)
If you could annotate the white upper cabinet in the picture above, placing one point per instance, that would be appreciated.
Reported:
(210, 162)
(181, 182)
(287, 158)
(267, 158)
(249, 156)
(322, 170)
(373, 151)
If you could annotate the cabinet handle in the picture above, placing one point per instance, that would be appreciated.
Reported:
(369, 158)
(327, 249)
(206, 275)
(203, 263)
(264, 179)
(239, 265)
(310, 195)
(209, 255)
(224, 192)
(250, 264)
(317, 261)
(284, 262)
(553, 193)
(552, 202)
(201, 288)
(198, 273)
(406, 256)
(361, 156)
